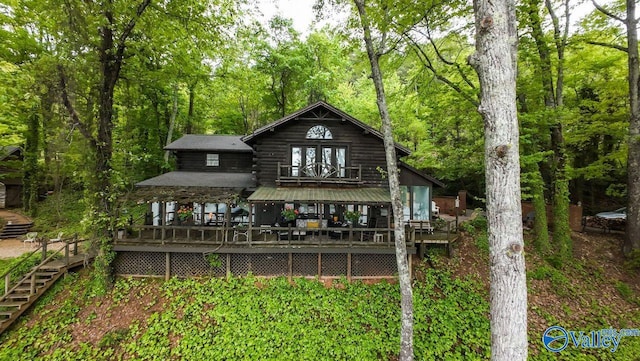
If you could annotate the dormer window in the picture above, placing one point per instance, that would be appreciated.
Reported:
(319, 132)
(213, 160)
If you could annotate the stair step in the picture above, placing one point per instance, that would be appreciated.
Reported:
(23, 289)
(45, 274)
(17, 226)
(39, 281)
(52, 269)
(18, 296)
(14, 234)
(11, 304)
(6, 313)
(15, 230)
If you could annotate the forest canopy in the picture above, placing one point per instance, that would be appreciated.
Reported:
(210, 67)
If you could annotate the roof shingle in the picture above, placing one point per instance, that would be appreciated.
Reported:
(210, 143)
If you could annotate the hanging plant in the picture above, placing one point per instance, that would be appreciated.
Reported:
(289, 214)
(185, 213)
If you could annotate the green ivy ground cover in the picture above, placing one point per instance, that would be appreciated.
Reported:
(258, 319)
(271, 319)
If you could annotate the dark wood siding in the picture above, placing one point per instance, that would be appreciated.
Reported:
(410, 178)
(230, 162)
(365, 150)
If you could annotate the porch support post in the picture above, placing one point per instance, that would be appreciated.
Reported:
(409, 258)
(227, 221)
(228, 265)
(319, 264)
(167, 266)
(290, 265)
(163, 221)
(250, 235)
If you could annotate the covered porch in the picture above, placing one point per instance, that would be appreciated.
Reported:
(321, 218)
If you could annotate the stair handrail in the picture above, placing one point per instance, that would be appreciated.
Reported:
(7, 274)
(35, 269)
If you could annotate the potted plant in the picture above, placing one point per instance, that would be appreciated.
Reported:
(352, 216)
(289, 214)
(184, 213)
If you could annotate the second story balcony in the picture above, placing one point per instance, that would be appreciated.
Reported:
(318, 173)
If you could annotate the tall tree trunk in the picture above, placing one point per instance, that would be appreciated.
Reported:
(495, 63)
(632, 236)
(30, 175)
(406, 302)
(101, 191)
(540, 206)
(192, 97)
(553, 99)
(172, 120)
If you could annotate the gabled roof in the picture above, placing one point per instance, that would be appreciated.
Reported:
(9, 150)
(272, 126)
(214, 143)
(421, 174)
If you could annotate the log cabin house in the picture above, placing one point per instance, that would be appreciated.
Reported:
(11, 158)
(305, 195)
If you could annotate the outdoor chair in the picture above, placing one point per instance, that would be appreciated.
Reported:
(31, 238)
(370, 233)
(265, 229)
(238, 232)
(57, 239)
(435, 210)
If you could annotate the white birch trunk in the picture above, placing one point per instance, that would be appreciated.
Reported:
(406, 302)
(495, 63)
(632, 236)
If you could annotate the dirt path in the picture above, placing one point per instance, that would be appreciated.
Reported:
(14, 217)
(13, 247)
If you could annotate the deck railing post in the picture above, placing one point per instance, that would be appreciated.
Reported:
(75, 244)
(7, 279)
(32, 290)
(43, 242)
(66, 253)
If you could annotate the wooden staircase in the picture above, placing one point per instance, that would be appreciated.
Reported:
(18, 297)
(15, 230)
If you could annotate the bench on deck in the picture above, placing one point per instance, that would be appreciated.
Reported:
(421, 226)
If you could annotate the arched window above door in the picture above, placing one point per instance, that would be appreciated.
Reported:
(319, 132)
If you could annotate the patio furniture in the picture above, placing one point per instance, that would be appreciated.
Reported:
(57, 239)
(421, 226)
(435, 210)
(240, 232)
(31, 238)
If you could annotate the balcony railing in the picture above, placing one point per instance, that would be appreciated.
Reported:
(318, 173)
(286, 237)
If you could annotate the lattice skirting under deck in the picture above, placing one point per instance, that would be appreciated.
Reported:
(170, 264)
